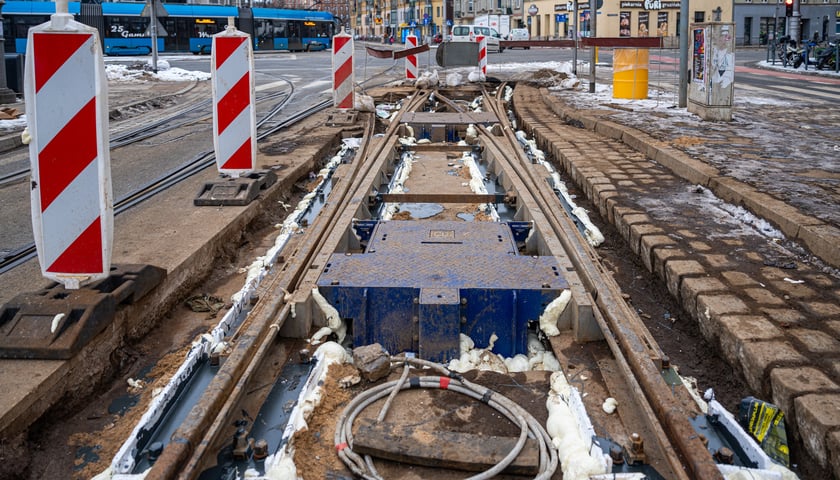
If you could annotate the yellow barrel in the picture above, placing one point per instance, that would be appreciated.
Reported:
(630, 73)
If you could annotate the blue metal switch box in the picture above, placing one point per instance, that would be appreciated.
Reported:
(421, 283)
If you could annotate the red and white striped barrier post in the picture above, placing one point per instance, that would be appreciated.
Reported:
(67, 111)
(482, 54)
(234, 115)
(342, 67)
(411, 60)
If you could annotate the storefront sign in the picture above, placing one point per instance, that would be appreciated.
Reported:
(649, 4)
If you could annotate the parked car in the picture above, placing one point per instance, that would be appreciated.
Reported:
(519, 34)
(467, 33)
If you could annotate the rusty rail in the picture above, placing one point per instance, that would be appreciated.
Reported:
(622, 328)
(193, 441)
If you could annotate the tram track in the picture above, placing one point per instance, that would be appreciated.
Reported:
(195, 443)
(206, 421)
(196, 111)
(282, 312)
(197, 164)
(632, 346)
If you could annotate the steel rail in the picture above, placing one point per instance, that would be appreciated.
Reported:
(582, 257)
(151, 129)
(264, 321)
(169, 123)
(14, 177)
(202, 428)
(615, 319)
(200, 162)
(193, 114)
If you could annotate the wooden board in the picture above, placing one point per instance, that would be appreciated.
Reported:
(442, 449)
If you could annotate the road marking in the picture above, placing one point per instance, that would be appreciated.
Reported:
(810, 91)
(765, 91)
(268, 86)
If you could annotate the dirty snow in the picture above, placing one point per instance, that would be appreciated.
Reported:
(784, 146)
(15, 124)
(141, 72)
(733, 221)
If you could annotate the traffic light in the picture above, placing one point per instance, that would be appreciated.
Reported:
(788, 8)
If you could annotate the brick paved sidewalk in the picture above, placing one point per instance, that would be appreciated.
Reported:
(780, 327)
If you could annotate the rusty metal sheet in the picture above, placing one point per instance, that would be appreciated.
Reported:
(411, 51)
(629, 42)
(537, 43)
(441, 198)
(55, 323)
(379, 52)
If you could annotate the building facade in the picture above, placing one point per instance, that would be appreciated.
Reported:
(757, 22)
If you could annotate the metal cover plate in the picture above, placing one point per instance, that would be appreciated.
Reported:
(465, 237)
(449, 118)
(443, 255)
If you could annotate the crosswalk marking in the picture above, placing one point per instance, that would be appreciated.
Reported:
(810, 91)
(765, 91)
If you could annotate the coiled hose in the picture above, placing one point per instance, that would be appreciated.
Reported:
(529, 426)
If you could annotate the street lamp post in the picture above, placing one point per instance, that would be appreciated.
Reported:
(593, 25)
(532, 12)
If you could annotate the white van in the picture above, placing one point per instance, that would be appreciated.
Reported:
(467, 33)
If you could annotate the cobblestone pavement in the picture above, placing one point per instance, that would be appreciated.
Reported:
(785, 149)
(772, 309)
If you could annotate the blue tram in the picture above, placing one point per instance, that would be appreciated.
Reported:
(184, 27)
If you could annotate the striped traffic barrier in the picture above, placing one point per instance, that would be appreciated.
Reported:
(234, 115)
(342, 67)
(411, 60)
(482, 54)
(67, 112)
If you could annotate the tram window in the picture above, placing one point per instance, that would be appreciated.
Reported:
(207, 27)
(265, 31)
(279, 28)
(325, 29)
(310, 29)
(22, 24)
(126, 27)
(294, 29)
